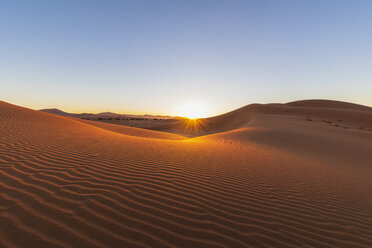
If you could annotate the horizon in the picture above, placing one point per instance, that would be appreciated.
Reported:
(155, 58)
(122, 113)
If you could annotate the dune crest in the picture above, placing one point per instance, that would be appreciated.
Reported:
(272, 175)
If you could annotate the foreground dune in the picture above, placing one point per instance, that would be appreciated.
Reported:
(295, 175)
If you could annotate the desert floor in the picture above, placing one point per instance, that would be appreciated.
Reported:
(276, 175)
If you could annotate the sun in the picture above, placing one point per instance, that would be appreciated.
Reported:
(193, 110)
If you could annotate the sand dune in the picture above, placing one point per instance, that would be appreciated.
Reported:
(329, 104)
(277, 175)
(132, 131)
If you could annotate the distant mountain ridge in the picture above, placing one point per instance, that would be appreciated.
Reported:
(56, 111)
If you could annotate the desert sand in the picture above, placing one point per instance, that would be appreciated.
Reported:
(274, 175)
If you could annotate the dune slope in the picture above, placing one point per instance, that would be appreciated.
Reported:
(67, 183)
(331, 112)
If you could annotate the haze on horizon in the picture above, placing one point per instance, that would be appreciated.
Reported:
(154, 56)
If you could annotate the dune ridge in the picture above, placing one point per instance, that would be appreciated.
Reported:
(340, 114)
(263, 179)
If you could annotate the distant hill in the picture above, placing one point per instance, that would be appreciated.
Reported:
(59, 112)
(102, 115)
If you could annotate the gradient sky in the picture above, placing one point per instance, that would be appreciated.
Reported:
(153, 56)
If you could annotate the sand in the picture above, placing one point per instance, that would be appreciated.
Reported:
(277, 175)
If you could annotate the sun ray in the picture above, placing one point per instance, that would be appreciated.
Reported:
(194, 126)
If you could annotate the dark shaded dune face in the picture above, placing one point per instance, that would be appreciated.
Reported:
(65, 183)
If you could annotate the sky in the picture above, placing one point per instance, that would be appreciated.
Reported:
(157, 57)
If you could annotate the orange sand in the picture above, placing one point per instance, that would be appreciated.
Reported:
(278, 175)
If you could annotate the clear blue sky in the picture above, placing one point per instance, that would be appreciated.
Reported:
(152, 56)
